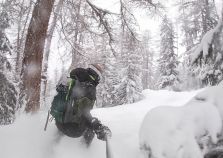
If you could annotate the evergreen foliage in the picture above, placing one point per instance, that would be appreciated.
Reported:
(7, 89)
(199, 19)
(196, 17)
(148, 66)
(167, 62)
(130, 88)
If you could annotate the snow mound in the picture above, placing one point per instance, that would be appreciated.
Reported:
(26, 134)
(176, 132)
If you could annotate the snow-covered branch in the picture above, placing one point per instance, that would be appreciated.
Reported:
(204, 48)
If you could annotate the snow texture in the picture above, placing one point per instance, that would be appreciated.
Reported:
(176, 132)
(219, 4)
(25, 138)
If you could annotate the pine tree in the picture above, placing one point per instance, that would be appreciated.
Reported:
(7, 88)
(111, 80)
(147, 61)
(167, 62)
(130, 88)
(187, 75)
(206, 59)
(196, 17)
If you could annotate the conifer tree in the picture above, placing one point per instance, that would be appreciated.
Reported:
(110, 80)
(7, 88)
(147, 61)
(167, 62)
(207, 57)
(130, 88)
(196, 17)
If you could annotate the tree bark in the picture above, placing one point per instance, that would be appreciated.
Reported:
(33, 53)
(47, 49)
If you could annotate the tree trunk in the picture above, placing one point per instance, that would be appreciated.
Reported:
(21, 36)
(33, 53)
(47, 50)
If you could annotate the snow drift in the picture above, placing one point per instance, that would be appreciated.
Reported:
(27, 139)
(177, 132)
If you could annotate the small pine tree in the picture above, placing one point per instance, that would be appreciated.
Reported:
(167, 62)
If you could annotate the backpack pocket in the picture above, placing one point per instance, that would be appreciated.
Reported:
(58, 107)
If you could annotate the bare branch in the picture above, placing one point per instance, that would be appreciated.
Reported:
(153, 7)
(105, 11)
(100, 13)
(123, 9)
(65, 36)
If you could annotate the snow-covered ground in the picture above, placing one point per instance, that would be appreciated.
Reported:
(27, 139)
(190, 131)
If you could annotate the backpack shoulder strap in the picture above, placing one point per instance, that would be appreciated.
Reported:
(70, 86)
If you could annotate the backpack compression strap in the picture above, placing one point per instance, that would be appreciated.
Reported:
(71, 84)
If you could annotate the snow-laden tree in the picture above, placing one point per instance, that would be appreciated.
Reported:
(208, 55)
(189, 79)
(130, 88)
(147, 61)
(19, 12)
(167, 62)
(84, 23)
(196, 18)
(110, 80)
(7, 89)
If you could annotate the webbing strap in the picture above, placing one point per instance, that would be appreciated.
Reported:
(92, 77)
(71, 84)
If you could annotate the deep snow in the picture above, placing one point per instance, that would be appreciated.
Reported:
(27, 139)
(178, 132)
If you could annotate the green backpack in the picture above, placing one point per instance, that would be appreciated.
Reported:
(58, 107)
(59, 103)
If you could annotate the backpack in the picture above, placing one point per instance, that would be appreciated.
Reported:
(81, 100)
(58, 106)
(76, 98)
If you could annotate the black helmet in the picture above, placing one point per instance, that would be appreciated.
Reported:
(85, 75)
(73, 74)
(93, 75)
